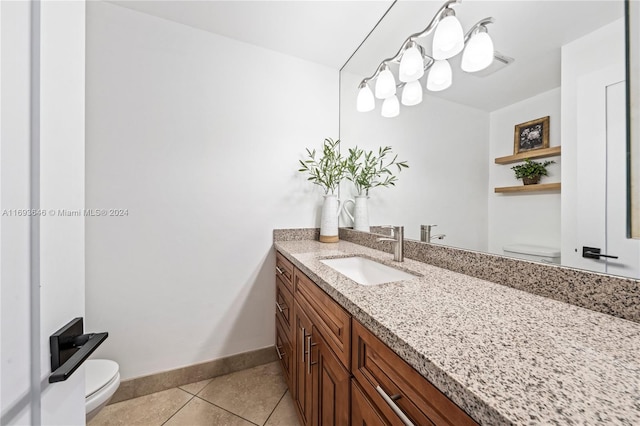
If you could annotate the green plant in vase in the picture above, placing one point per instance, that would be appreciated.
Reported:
(367, 170)
(531, 171)
(326, 171)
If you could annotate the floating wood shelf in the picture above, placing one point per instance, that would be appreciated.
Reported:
(529, 188)
(537, 153)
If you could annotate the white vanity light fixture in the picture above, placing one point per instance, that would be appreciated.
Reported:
(440, 76)
(478, 53)
(412, 63)
(386, 83)
(366, 102)
(391, 107)
(412, 93)
(446, 43)
(448, 39)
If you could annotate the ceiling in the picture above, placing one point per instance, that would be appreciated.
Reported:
(328, 32)
(325, 32)
(532, 32)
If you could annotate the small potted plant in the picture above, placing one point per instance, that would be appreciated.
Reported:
(326, 171)
(530, 171)
(369, 170)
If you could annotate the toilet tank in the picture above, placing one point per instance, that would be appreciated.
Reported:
(532, 252)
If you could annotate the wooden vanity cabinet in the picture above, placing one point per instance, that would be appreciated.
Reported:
(339, 373)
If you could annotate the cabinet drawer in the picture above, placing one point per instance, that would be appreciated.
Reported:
(285, 351)
(375, 366)
(284, 307)
(284, 270)
(333, 322)
(363, 413)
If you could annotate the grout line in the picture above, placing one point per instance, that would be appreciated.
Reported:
(195, 394)
(276, 406)
(222, 408)
(183, 405)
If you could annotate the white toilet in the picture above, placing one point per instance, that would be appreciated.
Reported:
(534, 253)
(102, 379)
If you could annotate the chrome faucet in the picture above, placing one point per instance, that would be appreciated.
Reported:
(425, 234)
(397, 239)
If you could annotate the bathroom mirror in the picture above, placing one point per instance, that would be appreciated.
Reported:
(569, 64)
(633, 97)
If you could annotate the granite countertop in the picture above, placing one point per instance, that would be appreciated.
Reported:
(503, 355)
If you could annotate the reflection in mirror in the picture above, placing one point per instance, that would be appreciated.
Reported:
(633, 98)
(569, 64)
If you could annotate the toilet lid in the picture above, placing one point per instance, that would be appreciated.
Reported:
(98, 372)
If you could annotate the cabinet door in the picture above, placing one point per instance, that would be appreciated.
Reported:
(302, 389)
(363, 412)
(330, 384)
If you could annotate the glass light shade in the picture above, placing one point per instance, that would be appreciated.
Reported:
(448, 39)
(391, 107)
(411, 64)
(385, 84)
(478, 54)
(365, 101)
(412, 93)
(440, 76)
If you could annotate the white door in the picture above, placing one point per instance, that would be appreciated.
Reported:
(602, 203)
(41, 171)
(15, 310)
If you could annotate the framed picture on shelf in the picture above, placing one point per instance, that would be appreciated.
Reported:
(531, 135)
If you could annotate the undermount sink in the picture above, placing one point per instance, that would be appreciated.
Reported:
(366, 271)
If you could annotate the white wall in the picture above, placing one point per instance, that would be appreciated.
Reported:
(198, 136)
(523, 218)
(578, 60)
(435, 138)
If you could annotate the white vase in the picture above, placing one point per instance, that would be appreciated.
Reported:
(360, 216)
(329, 220)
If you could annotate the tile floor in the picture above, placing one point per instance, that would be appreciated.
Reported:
(256, 396)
